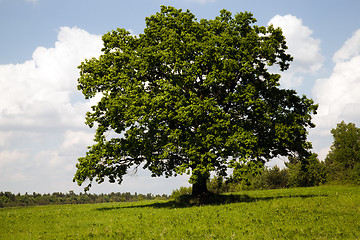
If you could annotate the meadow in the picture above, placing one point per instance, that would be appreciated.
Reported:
(325, 212)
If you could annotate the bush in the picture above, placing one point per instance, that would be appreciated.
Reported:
(177, 193)
(307, 173)
(275, 177)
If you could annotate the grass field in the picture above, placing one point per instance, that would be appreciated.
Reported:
(327, 212)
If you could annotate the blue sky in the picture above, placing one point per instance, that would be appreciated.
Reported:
(43, 41)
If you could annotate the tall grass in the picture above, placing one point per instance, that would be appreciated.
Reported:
(303, 213)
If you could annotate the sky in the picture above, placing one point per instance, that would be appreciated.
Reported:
(42, 114)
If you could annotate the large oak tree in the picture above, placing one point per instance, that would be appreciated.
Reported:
(190, 96)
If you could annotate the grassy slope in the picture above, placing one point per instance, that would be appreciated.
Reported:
(303, 213)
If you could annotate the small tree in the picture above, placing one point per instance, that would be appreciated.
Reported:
(275, 177)
(306, 173)
(343, 160)
(192, 97)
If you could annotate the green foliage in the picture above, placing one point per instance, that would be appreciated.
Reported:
(343, 160)
(182, 191)
(218, 185)
(8, 199)
(355, 174)
(306, 173)
(326, 212)
(275, 177)
(244, 171)
(186, 95)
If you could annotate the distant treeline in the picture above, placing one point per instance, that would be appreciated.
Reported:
(8, 199)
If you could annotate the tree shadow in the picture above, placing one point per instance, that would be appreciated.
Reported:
(186, 201)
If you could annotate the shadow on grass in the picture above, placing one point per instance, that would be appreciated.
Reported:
(185, 201)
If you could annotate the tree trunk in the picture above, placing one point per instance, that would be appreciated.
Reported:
(199, 188)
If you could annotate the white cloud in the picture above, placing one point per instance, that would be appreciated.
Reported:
(77, 139)
(39, 117)
(350, 49)
(9, 157)
(302, 46)
(12, 164)
(38, 92)
(49, 160)
(42, 130)
(4, 138)
(339, 95)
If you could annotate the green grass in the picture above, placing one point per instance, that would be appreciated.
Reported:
(327, 212)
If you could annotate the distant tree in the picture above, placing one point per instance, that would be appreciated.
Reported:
(306, 173)
(275, 177)
(192, 97)
(343, 159)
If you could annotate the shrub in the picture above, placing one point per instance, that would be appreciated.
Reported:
(275, 177)
(307, 173)
(177, 193)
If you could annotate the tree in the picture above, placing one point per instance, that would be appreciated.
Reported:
(275, 177)
(306, 173)
(190, 96)
(343, 159)
(247, 173)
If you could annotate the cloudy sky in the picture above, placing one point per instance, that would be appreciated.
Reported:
(42, 130)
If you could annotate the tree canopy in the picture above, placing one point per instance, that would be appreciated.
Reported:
(343, 159)
(190, 96)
